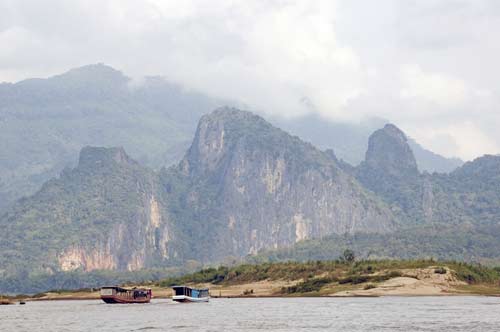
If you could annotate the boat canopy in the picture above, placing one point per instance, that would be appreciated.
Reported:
(191, 292)
(121, 289)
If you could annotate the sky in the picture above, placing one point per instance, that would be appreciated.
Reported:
(429, 66)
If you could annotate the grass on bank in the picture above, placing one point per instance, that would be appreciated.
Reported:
(313, 277)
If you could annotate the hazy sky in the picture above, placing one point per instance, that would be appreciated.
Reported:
(432, 67)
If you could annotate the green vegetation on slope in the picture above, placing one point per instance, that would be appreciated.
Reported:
(467, 244)
(78, 209)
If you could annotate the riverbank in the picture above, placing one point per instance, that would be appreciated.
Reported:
(327, 279)
(399, 286)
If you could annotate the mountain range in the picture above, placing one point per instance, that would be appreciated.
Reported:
(44, 123)
(245, 186)
(242, 188)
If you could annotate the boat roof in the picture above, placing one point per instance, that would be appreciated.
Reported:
(174, 287)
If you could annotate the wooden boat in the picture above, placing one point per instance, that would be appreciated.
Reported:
(114, 294)
(188, 294)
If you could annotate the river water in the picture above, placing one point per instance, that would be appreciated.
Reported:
(471, 313)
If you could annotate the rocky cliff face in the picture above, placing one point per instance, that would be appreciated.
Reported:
(389, 153)
(104, 214)
(253, 186)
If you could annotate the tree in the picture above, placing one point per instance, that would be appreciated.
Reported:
(348, 256)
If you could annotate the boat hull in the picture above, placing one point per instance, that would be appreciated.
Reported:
(120, 300)
(184, 299)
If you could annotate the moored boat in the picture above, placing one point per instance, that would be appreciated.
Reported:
(5, 302)
(188, 294)
(114, 294)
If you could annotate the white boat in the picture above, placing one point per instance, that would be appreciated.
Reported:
(188, 294)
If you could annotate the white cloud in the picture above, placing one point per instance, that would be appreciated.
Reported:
(434, 87)
(424, 65)
(268, 54)
(468, 140)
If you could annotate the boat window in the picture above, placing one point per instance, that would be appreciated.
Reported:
(107, 291)
(179, 291)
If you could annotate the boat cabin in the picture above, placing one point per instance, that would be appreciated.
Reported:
(115, 294)
(188, 294)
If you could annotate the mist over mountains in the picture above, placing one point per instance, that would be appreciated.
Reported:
(45, 122)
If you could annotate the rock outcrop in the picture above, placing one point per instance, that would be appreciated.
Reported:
(389, 153)
(390, 171)
(253, 186)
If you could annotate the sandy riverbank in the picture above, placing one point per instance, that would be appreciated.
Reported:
(411, 282)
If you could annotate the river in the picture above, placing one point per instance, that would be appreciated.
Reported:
(452, 313)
